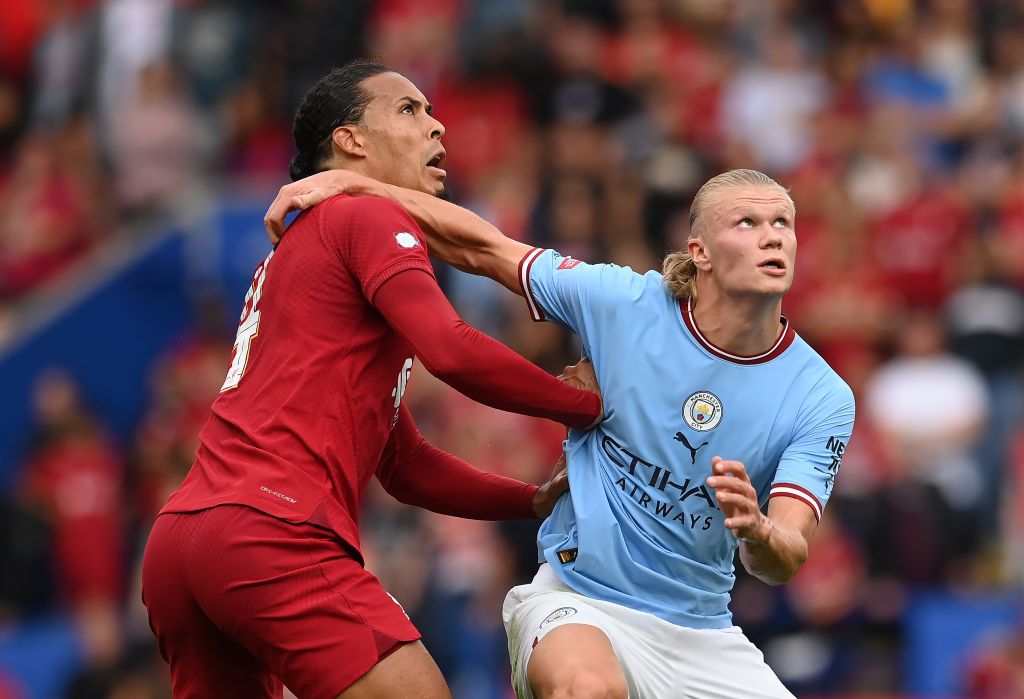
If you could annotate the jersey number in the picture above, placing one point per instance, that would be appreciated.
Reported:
(248, 327)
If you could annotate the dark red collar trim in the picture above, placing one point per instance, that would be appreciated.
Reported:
(780, 346)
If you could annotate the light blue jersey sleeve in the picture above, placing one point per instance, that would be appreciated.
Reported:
(576, 294)
(808, 468)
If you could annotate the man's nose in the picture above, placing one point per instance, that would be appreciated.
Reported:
(771, 238)
(437, 129)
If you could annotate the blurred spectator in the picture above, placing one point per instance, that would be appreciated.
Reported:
(73, 478)
(928, 408)
(131, 35)
(61, 65)
(51, 207)
(986, 326)
(768, 104)
(153, 141)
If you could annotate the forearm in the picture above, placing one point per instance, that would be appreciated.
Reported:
(777, 557)
(508, 382)
(416, 472)
(461, 238)
(472, 363)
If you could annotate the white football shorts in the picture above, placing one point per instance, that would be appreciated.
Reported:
(660, 660)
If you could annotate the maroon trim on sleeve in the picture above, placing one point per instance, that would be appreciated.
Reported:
(474, 364)
(525, 265)
(797, 492)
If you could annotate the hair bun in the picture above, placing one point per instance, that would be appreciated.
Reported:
(301, 166)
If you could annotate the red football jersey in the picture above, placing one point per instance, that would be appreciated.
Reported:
(317, 375)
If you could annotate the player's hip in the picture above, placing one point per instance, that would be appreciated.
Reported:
(659, 659)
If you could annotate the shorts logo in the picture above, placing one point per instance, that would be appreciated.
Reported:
(406, 239)
(568, 263)
(702, 411)
(559, 613)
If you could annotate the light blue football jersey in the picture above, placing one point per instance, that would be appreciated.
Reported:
(639, 526)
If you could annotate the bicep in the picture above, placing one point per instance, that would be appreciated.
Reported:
(413, 304)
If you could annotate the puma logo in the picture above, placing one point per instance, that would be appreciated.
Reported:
(680, 437)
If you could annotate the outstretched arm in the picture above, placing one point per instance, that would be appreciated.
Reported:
(772, 546)
(417, 473)
(455, 235)
(473, 363)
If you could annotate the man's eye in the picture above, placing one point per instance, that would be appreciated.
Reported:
(781, 223)
(746, 223)
(407, 109)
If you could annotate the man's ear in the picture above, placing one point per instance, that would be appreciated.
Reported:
(350, 141)
(699, 253)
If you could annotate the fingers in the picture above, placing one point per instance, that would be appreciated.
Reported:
(288, 199)
(273, 221)
(731, 468)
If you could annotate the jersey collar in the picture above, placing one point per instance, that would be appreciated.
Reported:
(781, 345)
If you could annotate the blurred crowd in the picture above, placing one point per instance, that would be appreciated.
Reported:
(584, 125)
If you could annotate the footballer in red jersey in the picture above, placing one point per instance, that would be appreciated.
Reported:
(253, 575)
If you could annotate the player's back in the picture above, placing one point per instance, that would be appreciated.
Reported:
(316, 374)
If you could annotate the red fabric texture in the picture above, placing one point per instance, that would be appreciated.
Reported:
(322, 377)
(241, 602)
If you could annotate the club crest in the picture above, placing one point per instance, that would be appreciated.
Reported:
(702, 411)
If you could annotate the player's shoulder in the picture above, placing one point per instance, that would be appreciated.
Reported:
(361, 208)
(604, 276)
(826, 383)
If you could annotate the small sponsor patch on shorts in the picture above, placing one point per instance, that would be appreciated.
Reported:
(559, 613)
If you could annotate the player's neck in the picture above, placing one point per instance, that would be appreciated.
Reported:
(745, 326)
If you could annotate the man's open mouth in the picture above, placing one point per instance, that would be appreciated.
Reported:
(774, 265)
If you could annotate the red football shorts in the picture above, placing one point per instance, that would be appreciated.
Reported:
(242, 602)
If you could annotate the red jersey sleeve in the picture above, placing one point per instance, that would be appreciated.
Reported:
(416, 472)
(374, 238)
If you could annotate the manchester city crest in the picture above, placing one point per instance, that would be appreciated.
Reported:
(702, 411)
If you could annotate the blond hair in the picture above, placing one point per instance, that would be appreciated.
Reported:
(678, 269)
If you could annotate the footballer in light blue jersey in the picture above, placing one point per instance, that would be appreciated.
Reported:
(640, 527)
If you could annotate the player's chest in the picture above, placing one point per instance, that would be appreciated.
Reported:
(681, 419)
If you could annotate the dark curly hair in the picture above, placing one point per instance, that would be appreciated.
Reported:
(335, 100)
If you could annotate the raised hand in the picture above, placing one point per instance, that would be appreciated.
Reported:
(738, 500)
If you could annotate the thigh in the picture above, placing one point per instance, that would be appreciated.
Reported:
(554, 634)
(203, 661)
(296, 597)
(408, 671)
(575, 656)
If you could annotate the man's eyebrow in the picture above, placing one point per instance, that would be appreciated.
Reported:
(428, 108)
